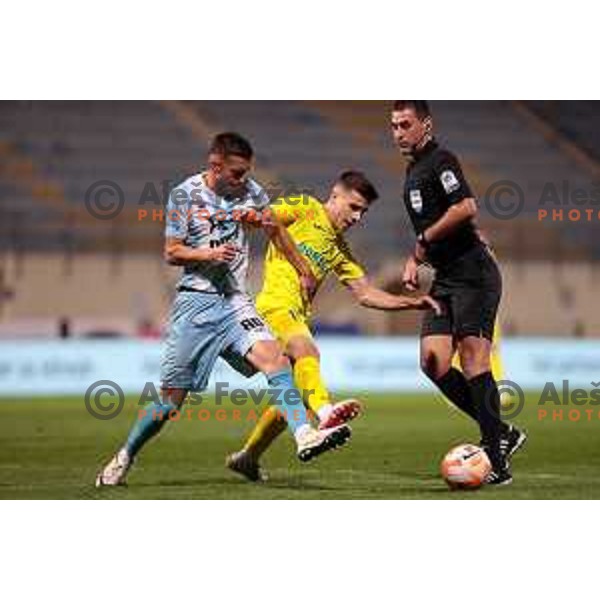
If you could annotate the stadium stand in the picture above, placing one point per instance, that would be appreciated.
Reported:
(578, 120)
(52, 152)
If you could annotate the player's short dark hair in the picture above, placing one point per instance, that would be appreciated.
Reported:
(230, 143)
(421, 107)
(357, 181)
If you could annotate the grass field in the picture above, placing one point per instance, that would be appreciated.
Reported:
(51, 448)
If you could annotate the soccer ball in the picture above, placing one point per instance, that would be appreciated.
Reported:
(465, 467)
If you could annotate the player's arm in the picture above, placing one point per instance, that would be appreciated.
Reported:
(352, 275)
(369, 296)
(175, 250)
(278, 234)
(274, 218)
(177, 253)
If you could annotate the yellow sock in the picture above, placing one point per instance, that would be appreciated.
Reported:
(269, 426)
(496, 357)
(307, 377)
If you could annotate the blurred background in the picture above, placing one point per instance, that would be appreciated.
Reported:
(65, 274)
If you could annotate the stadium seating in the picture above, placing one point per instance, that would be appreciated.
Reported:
(578, 120)
(65, 147)
(51, 152)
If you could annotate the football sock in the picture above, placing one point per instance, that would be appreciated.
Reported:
(485, 393)
(324, 411)
(269, 426)
(149, 422)
(497, 365)
(289, 404)
(456, 388)
(307, 375)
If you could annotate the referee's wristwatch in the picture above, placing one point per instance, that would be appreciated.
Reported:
(421, 239)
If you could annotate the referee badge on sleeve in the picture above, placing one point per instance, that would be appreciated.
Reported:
(416, 200)
(449, 181)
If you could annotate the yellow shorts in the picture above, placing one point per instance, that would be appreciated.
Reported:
(286, 324)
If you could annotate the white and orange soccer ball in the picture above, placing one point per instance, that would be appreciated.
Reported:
(465, 467)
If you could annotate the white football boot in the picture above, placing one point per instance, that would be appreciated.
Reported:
(313, 442)
(115, 471)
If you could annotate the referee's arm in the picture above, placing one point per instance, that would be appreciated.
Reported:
(457, 214)
(463, 206)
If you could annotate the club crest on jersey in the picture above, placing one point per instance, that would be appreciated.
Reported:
(449, 181)
(416, 200)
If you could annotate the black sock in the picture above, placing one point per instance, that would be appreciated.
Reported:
(456, 388)
(485, 394)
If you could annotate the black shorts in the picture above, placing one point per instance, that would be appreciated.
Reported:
(469, 291)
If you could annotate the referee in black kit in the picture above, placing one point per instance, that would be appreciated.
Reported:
(467, 282)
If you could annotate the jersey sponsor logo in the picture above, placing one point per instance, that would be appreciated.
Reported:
(449, 181)
(229, 237)
(416, 200)
(313, 255)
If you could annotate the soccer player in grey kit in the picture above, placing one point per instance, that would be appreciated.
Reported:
(212, 314)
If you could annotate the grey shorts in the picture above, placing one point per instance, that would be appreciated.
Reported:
(204, 326)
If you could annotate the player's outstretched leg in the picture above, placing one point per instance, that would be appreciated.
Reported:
(308, 379)
(267, 357)
(148, 424)
(310, 442)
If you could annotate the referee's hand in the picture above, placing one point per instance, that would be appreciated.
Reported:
(410, 277)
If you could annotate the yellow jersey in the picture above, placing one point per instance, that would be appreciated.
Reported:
(324, 249)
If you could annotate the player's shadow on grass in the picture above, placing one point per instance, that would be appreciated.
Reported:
(279, 484)
(196, 482)
(298, 485)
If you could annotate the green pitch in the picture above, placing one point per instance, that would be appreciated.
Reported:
(51, 448)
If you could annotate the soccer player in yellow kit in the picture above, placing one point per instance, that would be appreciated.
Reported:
(317, 229)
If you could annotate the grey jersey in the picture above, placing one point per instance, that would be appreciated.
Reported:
(196, 215)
